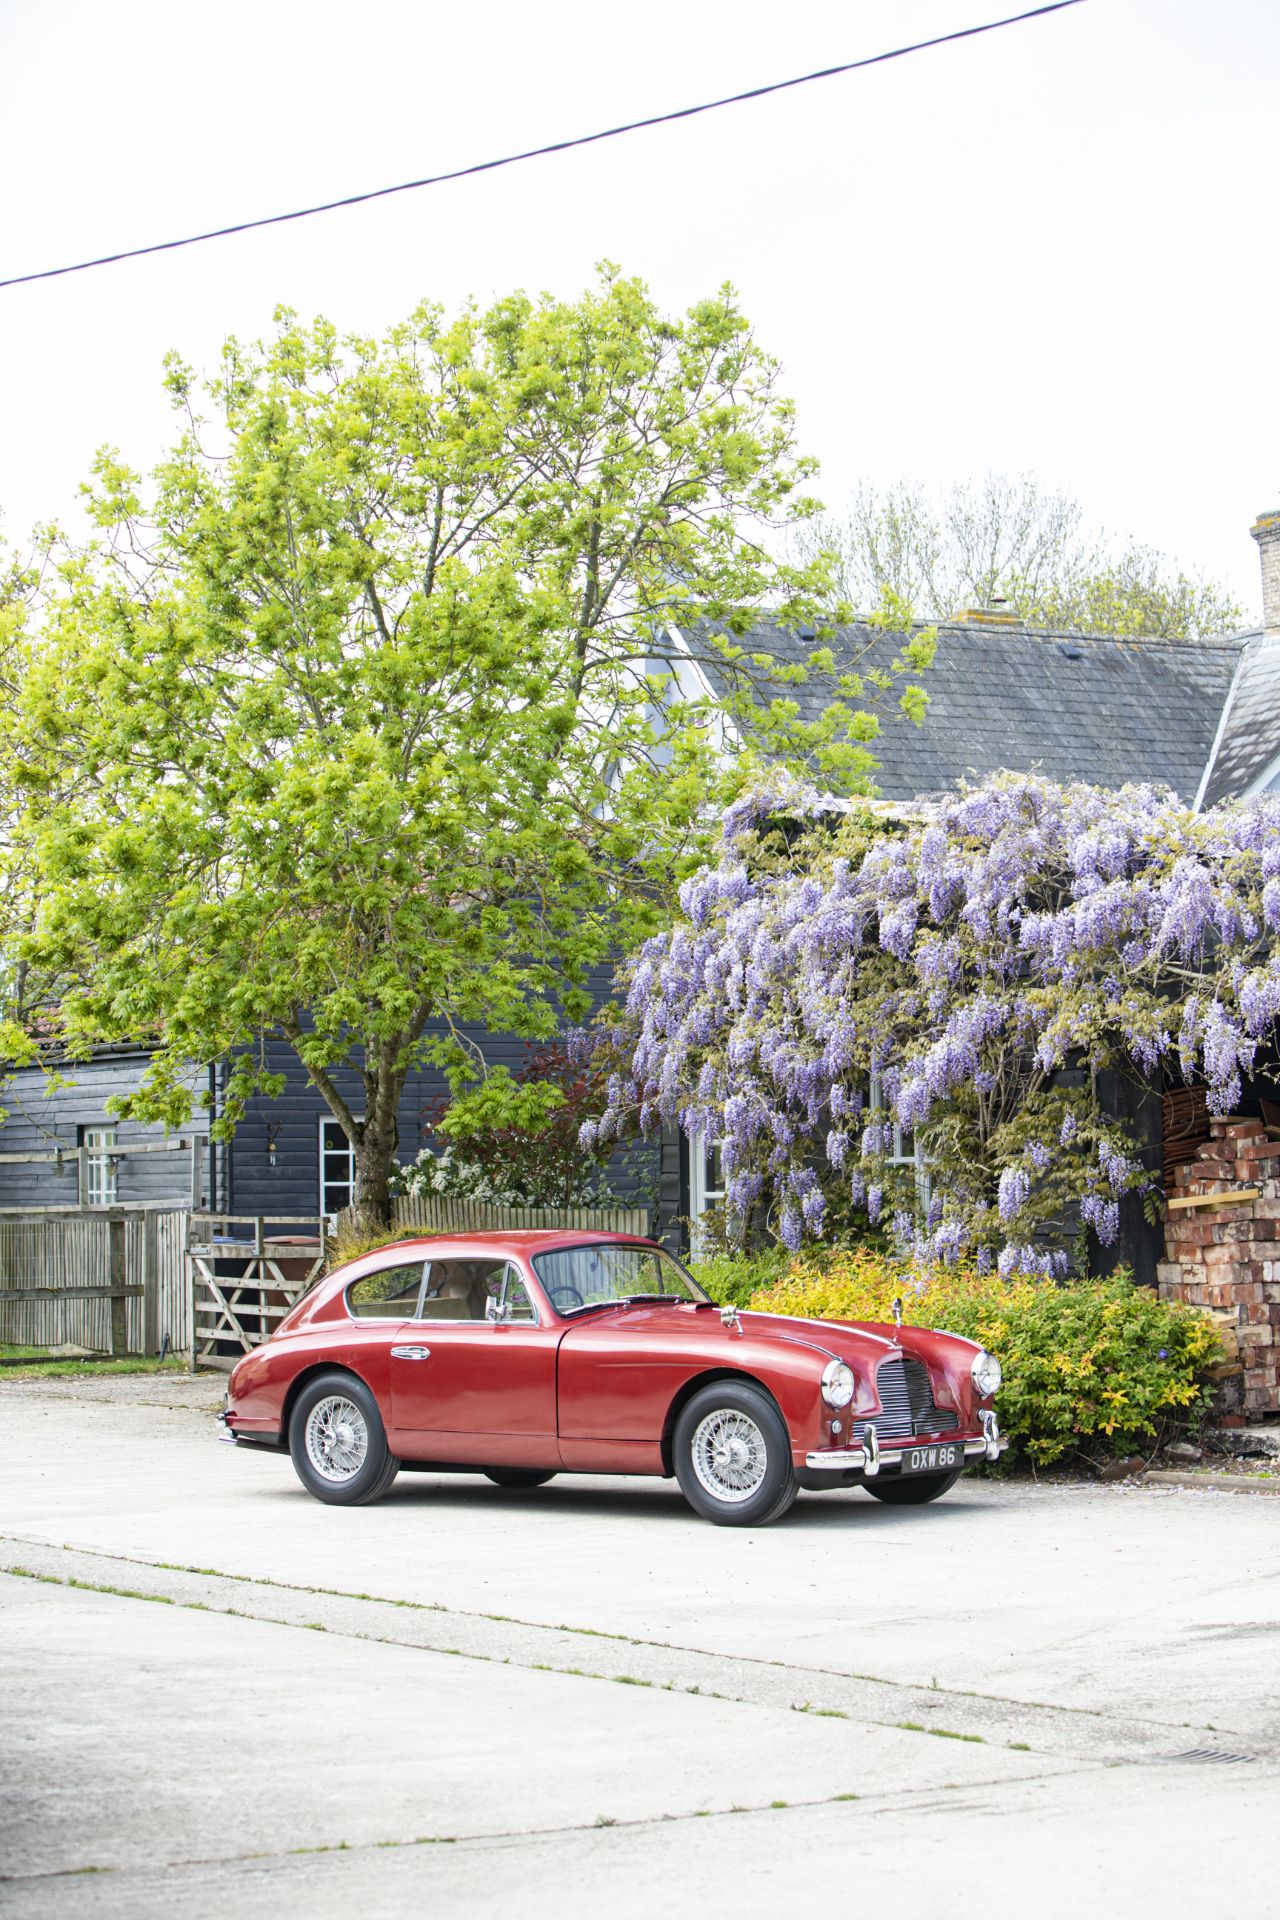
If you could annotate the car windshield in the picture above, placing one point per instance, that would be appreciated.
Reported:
(576, 1278)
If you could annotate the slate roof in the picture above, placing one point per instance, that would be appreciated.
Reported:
(1071, 706)
(1248, 744)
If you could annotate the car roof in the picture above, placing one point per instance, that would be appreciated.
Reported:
(522, 1240)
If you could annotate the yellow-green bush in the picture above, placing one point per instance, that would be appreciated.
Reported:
(352, 1237)
(1092, 1368)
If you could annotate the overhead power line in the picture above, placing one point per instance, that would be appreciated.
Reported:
(539, 153)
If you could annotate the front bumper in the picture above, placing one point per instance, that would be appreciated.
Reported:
(876, 1455)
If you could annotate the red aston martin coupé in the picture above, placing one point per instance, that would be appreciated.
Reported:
(524, 1355)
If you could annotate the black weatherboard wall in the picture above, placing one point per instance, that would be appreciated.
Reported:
(271, 1167)
(41, 1118)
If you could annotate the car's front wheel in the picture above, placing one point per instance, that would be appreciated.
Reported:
(914, 1490)
(519, 1476)
(732, 1455)
(338, 1442)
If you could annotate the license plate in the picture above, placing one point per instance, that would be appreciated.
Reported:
(939, 1458)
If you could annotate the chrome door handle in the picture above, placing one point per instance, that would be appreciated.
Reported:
(410, 1353)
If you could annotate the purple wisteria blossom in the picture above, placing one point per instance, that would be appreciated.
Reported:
(1014, 1189)
(1103, 1216)
(939, 980)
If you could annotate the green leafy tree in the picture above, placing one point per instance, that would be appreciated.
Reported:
(357, 725)
(24, 1009)
(1011, 541)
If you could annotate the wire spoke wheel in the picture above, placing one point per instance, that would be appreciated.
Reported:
(729, 1455)
(337, 1439)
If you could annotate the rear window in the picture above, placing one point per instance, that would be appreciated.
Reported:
(389, 1294)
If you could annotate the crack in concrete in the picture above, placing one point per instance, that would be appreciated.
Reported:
(742, 1680)
(596, 1633)
(926, 1799)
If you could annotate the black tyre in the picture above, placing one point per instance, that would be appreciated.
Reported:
(338, 1442)
(519, 1476)
(914, 1490)
(732, 1455)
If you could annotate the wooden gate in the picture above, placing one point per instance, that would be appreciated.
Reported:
(243, 1284)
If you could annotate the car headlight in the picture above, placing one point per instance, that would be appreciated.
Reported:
(987, 1374)
(837, 1383)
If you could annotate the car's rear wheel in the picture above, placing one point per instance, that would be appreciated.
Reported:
(732, 1455)
(914, 1490)
(519, 1476)
(338, 1442)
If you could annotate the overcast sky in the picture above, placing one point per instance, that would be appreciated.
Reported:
(1051, 249)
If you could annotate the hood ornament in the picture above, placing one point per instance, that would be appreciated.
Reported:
(897, 1311)
(729, 1319)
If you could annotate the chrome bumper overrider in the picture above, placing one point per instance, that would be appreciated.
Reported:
(876, 1454)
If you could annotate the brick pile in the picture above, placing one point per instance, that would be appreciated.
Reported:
(1227, 1258)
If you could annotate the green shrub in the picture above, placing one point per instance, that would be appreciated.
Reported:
(1092, 1369)
(732, 1278)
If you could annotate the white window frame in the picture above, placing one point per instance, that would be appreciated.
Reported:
(901, 1156)
(702, 1195)
(327, 1212)
(102, 1171)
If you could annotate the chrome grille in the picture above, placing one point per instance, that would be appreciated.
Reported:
(906, 1400)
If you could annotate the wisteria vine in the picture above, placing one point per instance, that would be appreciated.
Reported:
(965, 977)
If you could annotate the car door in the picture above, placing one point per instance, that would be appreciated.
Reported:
(379, 1302)
(473, 1377)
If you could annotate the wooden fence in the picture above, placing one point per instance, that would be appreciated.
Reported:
(434, 1214)
(110, 1279)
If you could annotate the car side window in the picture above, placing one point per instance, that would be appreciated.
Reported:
(389, 1293)
(461, 1289)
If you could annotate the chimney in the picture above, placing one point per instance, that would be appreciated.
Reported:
(998, 614)
(1266, 531)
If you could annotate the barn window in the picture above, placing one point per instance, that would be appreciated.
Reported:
(337, 1169)
(101, 1186)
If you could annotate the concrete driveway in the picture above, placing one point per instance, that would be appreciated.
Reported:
(222, 1697)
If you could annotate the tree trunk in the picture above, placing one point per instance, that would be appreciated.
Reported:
(373, 1139)
(375, 1157)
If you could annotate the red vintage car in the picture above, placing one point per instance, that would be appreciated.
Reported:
(524, 1355)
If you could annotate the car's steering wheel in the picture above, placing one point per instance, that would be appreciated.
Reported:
(575, 1298)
